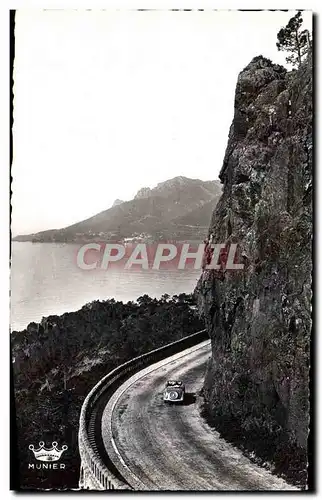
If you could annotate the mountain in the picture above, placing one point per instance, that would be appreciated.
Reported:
(59, 360)
(177, 209)
(117, 202)
(260, 319)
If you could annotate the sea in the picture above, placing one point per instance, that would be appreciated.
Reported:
(45, 280)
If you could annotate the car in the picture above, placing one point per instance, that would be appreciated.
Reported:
(174, 392)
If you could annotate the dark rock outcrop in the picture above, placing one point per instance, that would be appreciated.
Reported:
(259, 319)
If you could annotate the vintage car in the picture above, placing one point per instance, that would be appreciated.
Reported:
(174, 392)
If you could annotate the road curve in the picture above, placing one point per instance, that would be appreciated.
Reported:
(160, 447)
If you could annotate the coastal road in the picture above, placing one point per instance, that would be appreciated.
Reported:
(160, 447)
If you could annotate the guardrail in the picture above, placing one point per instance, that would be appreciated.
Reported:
(97, 469)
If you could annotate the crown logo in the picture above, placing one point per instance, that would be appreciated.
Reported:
(48, 454)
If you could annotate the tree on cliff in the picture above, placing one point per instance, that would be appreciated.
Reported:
(291, 39)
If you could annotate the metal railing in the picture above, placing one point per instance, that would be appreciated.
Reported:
(97, 469)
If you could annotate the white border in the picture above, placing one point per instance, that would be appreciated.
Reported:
(4, 162)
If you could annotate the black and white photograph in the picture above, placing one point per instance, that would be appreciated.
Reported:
(161, 241)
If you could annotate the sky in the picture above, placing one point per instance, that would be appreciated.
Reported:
(107, 102)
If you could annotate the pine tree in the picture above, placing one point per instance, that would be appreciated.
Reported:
(294, 40)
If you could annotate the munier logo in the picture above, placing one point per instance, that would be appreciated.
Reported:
(47, 455)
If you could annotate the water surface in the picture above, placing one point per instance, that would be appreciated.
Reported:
(46, 280)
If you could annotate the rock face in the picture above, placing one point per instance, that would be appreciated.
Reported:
(259, 319)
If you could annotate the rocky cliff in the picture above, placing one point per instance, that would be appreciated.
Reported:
(259, 319)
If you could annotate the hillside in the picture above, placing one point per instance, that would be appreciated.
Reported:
(176, 209)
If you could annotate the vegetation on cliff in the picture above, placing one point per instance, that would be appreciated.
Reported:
(57, 362)
(294, 40)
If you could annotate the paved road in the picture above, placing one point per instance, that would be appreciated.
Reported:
(160, 447)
